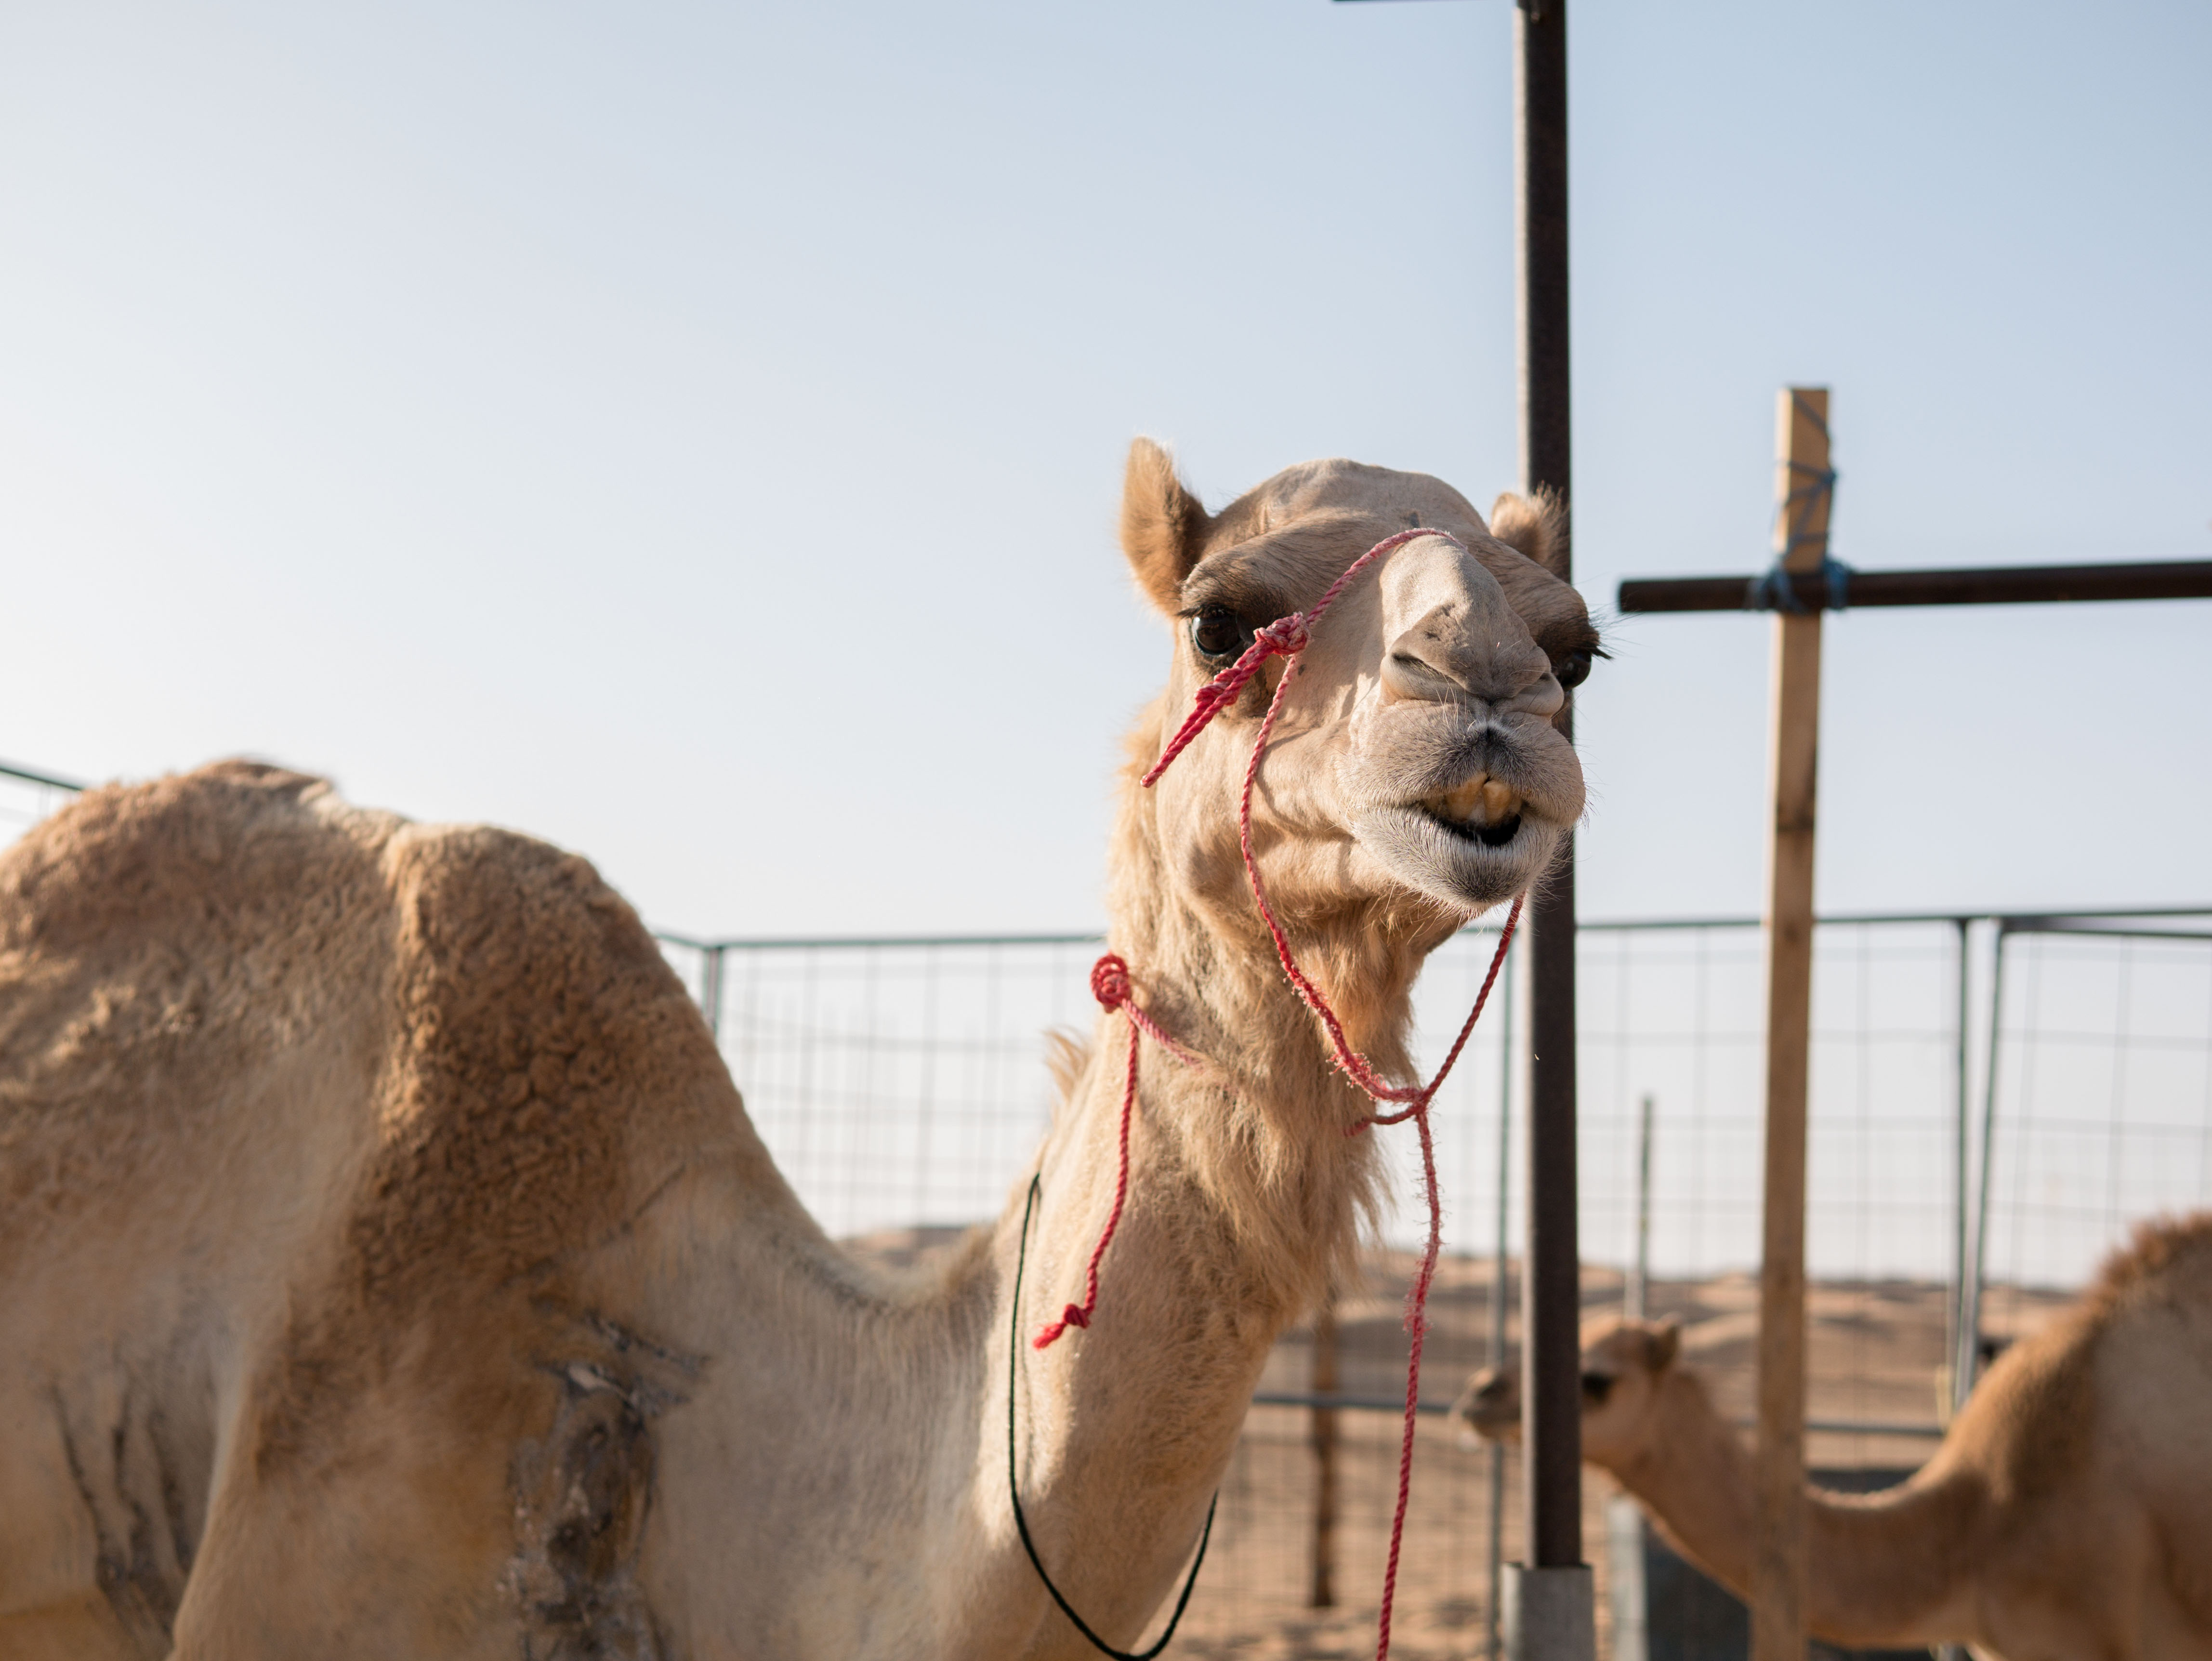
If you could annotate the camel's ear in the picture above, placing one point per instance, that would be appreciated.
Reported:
(1666, 1343)
(1163, 526)
(1535, 526)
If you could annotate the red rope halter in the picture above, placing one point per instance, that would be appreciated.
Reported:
(1288, 637)
(1109, 984)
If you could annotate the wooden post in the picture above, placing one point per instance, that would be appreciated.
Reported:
(1778, 1563)
(1322, 1593)
(1803, 489)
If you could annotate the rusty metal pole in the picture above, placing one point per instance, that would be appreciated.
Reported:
(710, 987)
(1549, 1615)
(1321, 1591)
(1635, 1296)
(1501, 1289)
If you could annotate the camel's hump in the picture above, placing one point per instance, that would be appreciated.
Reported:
(502, 1060)
(123, 859)
(2164, 1253)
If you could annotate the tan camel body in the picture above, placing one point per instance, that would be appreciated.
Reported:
(2067, 1517)
(390, 1267)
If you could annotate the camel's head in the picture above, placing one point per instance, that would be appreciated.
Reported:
(1624, 1363)
(1420, 754)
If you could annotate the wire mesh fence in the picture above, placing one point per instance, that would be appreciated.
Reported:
(2096, 1098)
(1994, 1102)
(902, 1083)
(27, 796)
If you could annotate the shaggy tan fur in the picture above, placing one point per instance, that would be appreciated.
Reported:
(2068, 1511)
(390, 1268)
(1535, 524)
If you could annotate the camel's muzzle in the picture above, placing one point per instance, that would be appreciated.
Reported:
(1490, 1406)
(1459, 801)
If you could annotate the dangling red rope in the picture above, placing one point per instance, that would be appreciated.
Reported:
(1109, 984)
(1288, 637)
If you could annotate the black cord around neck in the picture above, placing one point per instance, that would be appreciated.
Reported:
(1014, 1487)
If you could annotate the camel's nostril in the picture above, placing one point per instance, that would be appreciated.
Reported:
(1409, 675)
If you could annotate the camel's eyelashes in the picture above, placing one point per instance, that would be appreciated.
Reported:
(1219, 633)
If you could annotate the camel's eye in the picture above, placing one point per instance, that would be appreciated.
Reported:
(1597, 1386)
(1219, 632)
(1573, 669)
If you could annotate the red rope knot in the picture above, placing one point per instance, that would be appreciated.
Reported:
(1285, 637)
(1215, 693)
(1073, 1316)
(1109, 982)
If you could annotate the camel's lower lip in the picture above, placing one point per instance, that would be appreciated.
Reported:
(1490, 836)
(1471, 866)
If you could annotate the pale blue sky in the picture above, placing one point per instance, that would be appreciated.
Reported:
(691, 433)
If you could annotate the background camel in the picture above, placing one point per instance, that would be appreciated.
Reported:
(2068, 1513)
(390, 1268)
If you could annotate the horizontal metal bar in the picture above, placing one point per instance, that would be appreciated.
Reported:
(1864, 1427)
(31, 777)
(865, 942)
(1292, 1398)
(1872, 1427)
(1970, 585)
(2094, 927)
(1840, 919)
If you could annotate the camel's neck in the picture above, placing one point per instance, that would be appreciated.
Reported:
(1884, 1569)
(1241, 1161)
(888, 1406)
(1244, 1196)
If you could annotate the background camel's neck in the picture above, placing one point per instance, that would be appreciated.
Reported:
(1885, 1568)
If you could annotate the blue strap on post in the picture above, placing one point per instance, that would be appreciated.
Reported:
(1776, 589)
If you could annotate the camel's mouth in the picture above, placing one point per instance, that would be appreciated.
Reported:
(1485, 809)
(1464, 807)
(1490, 836)
(1473, 845)
(1469, 864)
(1489, 1407)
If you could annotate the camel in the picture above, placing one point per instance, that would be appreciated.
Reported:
(2068, 1513)
(392, 1269)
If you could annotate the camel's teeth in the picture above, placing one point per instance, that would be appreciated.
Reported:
(1461, 803)
(1482, 801)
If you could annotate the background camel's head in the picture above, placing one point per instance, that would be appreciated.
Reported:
(1419, 752)
(1623, 1364)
